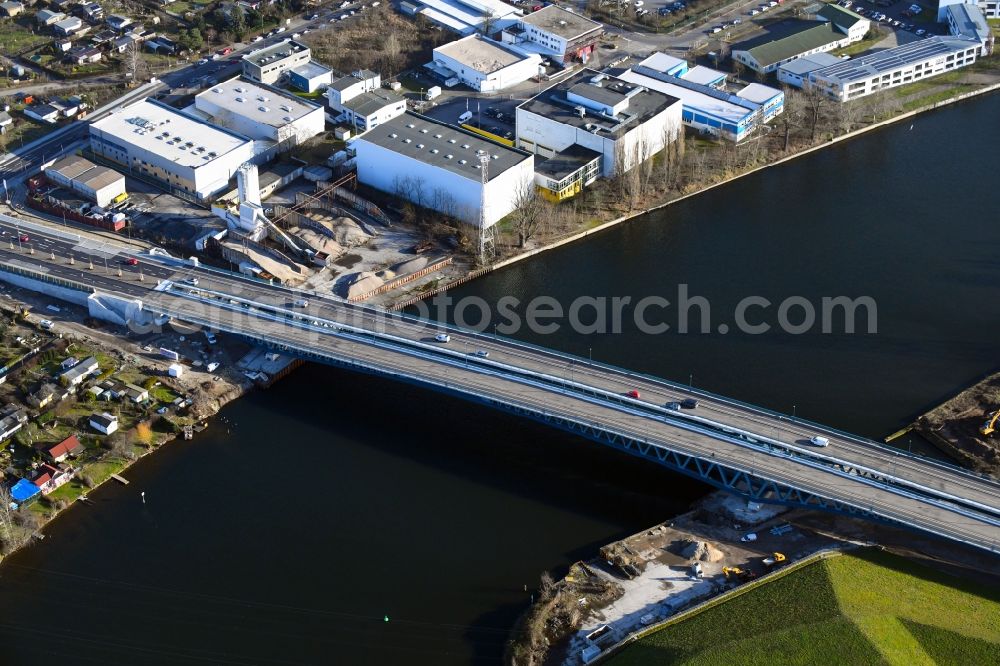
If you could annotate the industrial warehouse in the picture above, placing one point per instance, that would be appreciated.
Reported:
(100, 184)
(262, 113)
(624, 122)
(707, 107)
(154, 140)
(442, 167)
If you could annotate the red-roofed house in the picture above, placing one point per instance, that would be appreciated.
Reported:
(70, 446)
(48, 478)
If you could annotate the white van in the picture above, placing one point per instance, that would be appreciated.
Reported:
(816, 440)
(465, 117)
(301, 303)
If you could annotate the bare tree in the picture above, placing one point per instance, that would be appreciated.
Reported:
(135, 66)
(527, 214)
(791, 116)
(489, 22)
(814, 101)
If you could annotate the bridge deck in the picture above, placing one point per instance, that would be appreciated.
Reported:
(540, 383)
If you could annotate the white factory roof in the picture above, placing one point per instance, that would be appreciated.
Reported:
(703, 75)
(264, 105)
(806, 64)
(561, 22)
(157, 128)
(662, 62)
(461, 15)
(691, 99)
(275, 52)
(865, 67)
(758, 93)
(481, 54)
(442, 145)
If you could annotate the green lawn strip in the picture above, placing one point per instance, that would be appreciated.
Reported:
(879, 584)
(804, 597)
(868, 608)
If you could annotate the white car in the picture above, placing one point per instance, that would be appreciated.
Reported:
(258, 38)
(816, 440)
(638, 3)
(45, 324)
(442, 337)
(716, 29)
(754, 12)
(482, 353)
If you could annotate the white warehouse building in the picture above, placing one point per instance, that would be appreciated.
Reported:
(437, 166)
(483, 64)
(157, 141)
(626, 123)
(261, 112)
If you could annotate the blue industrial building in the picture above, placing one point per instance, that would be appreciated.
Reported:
(706, 105)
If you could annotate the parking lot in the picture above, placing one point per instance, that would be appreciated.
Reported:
(491, 115)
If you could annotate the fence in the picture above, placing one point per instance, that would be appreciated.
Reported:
(393, 284)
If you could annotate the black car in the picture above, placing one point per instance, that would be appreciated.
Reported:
(689, 403)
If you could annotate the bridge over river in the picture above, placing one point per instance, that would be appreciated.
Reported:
(745, 449)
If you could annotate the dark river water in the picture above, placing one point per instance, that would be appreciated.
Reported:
(341, 519)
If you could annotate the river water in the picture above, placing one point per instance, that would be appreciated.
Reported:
(346, 519)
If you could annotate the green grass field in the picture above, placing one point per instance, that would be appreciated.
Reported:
(872, 608)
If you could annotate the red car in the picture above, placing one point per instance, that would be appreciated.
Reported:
(225, 51)
(24, 238)
(633, 394)
(132, 261)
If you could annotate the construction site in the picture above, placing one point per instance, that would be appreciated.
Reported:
(653, 575)
(967, 427)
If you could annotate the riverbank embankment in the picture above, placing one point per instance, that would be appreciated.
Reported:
(966, 427)
(399, 301)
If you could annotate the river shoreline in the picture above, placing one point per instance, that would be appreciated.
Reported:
(406, 300)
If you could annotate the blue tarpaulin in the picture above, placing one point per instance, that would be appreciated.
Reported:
(23, 490)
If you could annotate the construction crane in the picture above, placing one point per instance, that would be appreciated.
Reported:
(991, 425)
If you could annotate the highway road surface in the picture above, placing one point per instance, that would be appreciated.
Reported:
(872, 478)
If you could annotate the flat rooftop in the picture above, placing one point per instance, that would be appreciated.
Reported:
(311, 70)
(369, 102)
(157, 128)
(85, 172)
(806, 64)
(483, 55)
(267, 106)
(758, 93)
(969, 21)
(275, 52)
(865, 67)
(561, 22)
(566, 162)
(442, 145)
(554, 104)
(460, 15)
(692, 99)
(703, 75)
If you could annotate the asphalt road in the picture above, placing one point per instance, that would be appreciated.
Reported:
(952, 503)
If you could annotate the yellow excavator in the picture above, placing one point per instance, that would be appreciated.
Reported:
(775, 558)
(991, 425)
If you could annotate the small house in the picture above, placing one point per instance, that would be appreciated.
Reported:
(43, 112)
(92, 11)
(49, 17)
(63, 45)
(68, 26)
(104, 423)
(69, 447)
(117, 22)
(136, 394)
(44, 396)
(12, 421)
(75, 375)
(49, 477)
(68, 363)
(11, 8)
